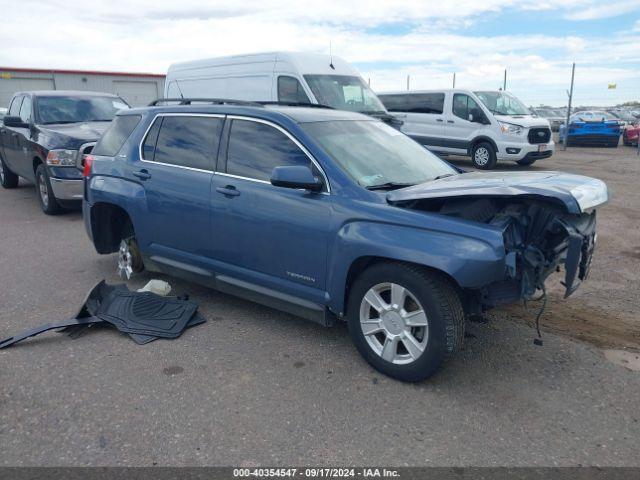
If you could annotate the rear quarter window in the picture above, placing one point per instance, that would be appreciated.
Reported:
(113, 139)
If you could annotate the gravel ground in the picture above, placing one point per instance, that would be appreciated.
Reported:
(254, 386)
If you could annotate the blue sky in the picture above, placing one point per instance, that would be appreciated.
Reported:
(535, 40)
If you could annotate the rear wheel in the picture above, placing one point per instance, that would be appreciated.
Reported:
(8, 179)
(404, 320)
(129, 258)
(47, 200)
(625, 140)
(484, 156)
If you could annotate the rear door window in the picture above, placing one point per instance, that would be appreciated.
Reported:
(290, 90)
(255, 149)
(149, 144)
(113, 139)
(189, 141)
(415, 103)
(432, 103)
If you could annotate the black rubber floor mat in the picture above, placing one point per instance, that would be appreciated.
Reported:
(145, 316)
(197, 319)
(72, 322)
(141, 313)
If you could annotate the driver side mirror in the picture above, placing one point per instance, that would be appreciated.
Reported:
(299, 177)
(14, 121)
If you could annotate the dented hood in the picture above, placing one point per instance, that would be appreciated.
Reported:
(578, 193)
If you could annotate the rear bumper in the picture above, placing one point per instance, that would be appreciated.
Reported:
(67, 189)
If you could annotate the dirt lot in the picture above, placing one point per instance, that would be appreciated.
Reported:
(605, 309)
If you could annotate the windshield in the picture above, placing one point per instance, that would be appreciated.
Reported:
(344, 93)
(78, 109)
(502, 103)
(377, 155)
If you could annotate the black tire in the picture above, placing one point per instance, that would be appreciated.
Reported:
(438, 299)
(8, 179)
(44, 192)
(625, 140)
(483, 156)
(525, 162)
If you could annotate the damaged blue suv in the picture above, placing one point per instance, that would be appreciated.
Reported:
(333, 216)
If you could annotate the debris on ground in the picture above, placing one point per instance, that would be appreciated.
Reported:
(145, 315)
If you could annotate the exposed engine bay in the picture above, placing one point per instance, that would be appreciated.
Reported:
(539, 238)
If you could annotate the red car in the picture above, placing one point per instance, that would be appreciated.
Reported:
(630, 134)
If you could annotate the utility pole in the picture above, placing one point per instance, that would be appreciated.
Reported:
(408, 76)
(454, 80)
(504, 84)
(566, 123)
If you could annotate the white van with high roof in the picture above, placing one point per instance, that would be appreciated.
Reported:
(284, 77)
(488, 126)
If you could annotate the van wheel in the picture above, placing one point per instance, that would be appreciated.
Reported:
(47, 200)
(8, 179)
(484, 156)
(404, 320)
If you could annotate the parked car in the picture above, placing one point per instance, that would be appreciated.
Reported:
(592, 127)
(284, 77)
(333, 215)
(553, 116)
(487, 126)
(44, 137)
(630, 135)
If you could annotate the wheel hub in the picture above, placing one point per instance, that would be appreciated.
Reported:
(44, 194)
(1, 171)
(125, 260)
(394, 323)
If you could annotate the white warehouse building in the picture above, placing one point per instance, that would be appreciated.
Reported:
(137, 89)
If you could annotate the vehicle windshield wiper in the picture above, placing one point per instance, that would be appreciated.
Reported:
(389, 186)
(61, 122)
(99, 120)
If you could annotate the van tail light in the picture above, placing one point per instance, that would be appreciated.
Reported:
(87, 161)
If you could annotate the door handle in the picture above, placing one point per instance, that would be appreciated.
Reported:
(450, 121)
(142, 174)
(439, 120)
(14, 134)
(228, 190)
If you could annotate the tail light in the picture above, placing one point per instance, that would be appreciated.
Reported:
(87, 161)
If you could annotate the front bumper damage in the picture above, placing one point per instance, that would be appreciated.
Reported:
(539, 241)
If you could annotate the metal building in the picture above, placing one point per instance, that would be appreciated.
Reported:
(136, 88)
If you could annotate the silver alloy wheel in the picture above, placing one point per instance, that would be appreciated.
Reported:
(44, 191)
(481, 156)
(394, 323)
(1, 171)
(125, 260)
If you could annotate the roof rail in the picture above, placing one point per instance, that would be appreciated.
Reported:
(213, 101)
(295, 104)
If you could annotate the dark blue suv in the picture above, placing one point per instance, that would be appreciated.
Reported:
(333, 216)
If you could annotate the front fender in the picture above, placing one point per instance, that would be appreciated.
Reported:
(471, 261)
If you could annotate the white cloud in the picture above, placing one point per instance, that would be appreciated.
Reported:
(429, 41)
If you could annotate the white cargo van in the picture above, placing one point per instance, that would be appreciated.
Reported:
(287, 77)
(486, 125)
